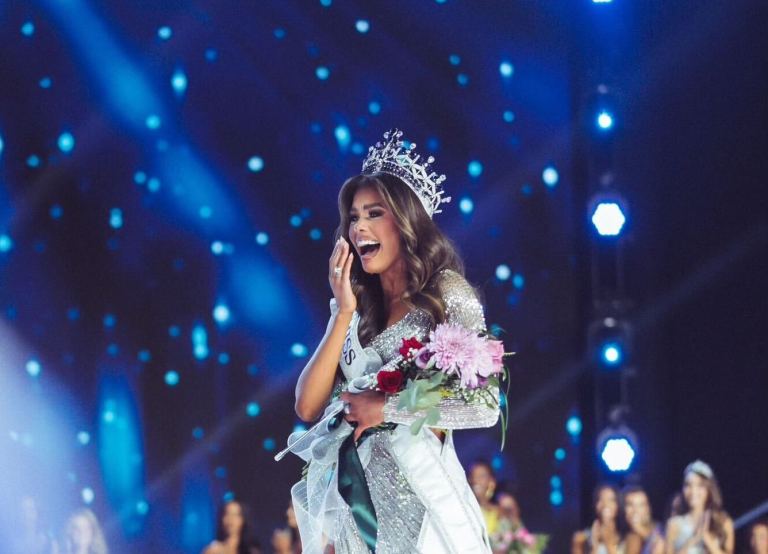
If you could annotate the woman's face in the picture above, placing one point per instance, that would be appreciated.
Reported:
(79, 532)
(695, 491)
(373, 231)
(759, 539)
(637, 508)
(232, 520)
(482, 481)
(607, 505)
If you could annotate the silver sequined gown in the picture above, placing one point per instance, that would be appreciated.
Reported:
(418, 487)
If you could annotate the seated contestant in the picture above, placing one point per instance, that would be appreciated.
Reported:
(233, 531)
(371, 484)
(699, 525)
(758, 539)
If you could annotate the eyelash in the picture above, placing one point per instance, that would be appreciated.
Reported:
(372, 214)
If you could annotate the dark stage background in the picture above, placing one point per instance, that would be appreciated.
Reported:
(168, 179)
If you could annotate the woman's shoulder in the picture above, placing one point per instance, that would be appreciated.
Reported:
(214, 548)
(462, 305)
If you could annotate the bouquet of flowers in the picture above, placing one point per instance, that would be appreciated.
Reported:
(454, 362)
(518, 541)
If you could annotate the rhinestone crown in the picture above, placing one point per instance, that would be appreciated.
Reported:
(394, 158)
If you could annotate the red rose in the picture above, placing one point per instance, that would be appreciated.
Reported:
(408, 344)
(389, 381)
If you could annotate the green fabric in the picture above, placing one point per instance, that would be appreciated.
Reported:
(353, 488)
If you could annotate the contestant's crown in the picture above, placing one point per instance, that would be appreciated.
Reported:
(393, 158)
(702, 468)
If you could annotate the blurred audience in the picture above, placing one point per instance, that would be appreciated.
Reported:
(233, 534)
(758, 538)
(643, 535)
(604, 536)
(286, 540)
(83, 534)
(699, 524)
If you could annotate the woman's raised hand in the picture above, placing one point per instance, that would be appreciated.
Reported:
(339, 268)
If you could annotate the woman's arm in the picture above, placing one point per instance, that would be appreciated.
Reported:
(317, 378)
(671, 536)
(578, 542)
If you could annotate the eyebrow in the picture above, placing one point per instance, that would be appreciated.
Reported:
(368, 206)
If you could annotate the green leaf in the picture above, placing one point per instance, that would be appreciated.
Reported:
(417, 425)
(433, 416)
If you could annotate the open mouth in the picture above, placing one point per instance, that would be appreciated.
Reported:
(368, 249)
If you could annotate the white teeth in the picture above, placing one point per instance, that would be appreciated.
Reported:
(362, 243)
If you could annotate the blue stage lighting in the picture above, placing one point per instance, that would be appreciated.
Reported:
(550, 176)
(315, 234)
(475, 169)
(144, 356)
(33, 161)
(153, 122)
(205, 212)
(362, 26)
(612, 353)
(153, 185)
(179, 82)
(87, 495)
(299, 350)
(211, 54)
(466, 205)
(602, 1)
(221, 313)
(343, 136)
(255, 164)
(262, 238)
(374, 107)
(253, 409)
(34, 368)
(139, 177)
(279, 33)
(454, 59)
(326, 3)
(573, 426)
(6, 243)
(508, 116)
(269, 444)
(608, 218)
(617, 448)
(28, 29)
(506, 69)
(56, 211)
(604, 120)
(142, 507)
(556, 498)
(556, 482)
(322, 73)
(200, 342)
(224, 358)
(116, 218)
(172, 378)
(518, 281)
(198, 433)
(45, 82)
(109, 321)
(174, 331)
(462, 79)
(295, 220)
(66, 142)
(503, 272)
(217, 247)
(83, 437)
(1, 144)
(560, 454)
(164, 32)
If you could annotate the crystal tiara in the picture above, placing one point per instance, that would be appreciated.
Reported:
(702, 468)
(393, 158)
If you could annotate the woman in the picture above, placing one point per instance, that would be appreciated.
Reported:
(483, 483)
(233, 534)
(699, 525)
(83, 534)
(758, 538)
(604, 537)
(371, 485)
(644, 535)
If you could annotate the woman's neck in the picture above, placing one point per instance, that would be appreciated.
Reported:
(393, 282)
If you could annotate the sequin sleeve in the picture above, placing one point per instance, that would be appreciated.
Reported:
(463, 308)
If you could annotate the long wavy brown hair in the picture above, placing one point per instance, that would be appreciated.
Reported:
(425, 250)
(714, 505)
